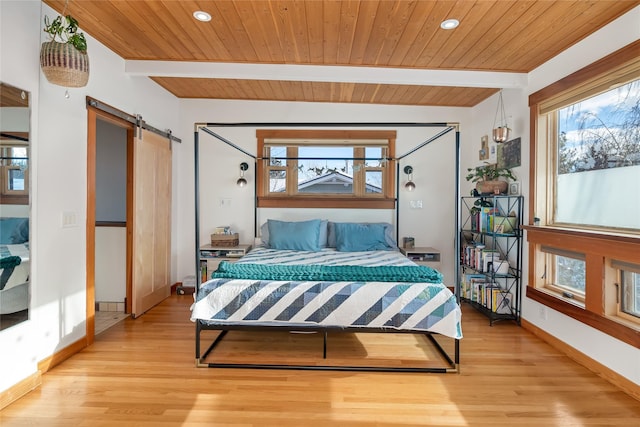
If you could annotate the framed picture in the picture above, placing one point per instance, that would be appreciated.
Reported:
(509, 154)
(493, 153)
(483, 154)
(514, 188)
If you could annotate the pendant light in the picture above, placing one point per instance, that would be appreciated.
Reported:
(500, 128)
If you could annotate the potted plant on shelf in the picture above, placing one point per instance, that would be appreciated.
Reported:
(63, 59)
(487, 178)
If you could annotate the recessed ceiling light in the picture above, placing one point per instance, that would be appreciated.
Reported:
(202, 16)
(449, 24)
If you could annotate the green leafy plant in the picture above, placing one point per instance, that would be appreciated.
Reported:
(489, 173)
(65, 32)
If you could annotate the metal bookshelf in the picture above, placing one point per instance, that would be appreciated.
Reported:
(491, 255)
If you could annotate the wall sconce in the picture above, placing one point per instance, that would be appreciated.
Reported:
(410, 186)
(241, 182)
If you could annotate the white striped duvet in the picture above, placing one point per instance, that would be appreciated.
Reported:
(390, 305)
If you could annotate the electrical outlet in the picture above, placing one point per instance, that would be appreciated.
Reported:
(415, 204)
(225, 203)
(542, 312)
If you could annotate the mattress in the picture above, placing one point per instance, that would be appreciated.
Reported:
(388, 303)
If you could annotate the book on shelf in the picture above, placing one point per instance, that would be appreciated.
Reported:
(504, 302)
(209, 254)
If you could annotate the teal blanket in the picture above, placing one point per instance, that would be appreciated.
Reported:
(328, 273)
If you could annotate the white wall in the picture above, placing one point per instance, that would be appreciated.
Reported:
(20, 34)
(59, 182)
(111, 264)
(433, 225)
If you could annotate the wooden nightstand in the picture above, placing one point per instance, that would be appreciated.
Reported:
(423, 256)
(211, 256)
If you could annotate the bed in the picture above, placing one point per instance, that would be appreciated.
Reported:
(323, 276)
(14, 265)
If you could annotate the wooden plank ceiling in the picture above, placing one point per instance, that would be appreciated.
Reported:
(501, 35)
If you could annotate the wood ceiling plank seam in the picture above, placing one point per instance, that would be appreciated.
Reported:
(444, 95)
(439, 36)
(414, 57)
(358, 93)
(264, 33)
(153, 43)
(307, 90)
(398, 22)
(463, 42)
(233, 34)
(242, 88)
(556, 16)
(451, 39)
(199, 37)
(260, 90)
(347, 92)
(362, 32)
(161, 18)
(572, 35)
(402, 93)
(254, 29)
(275, 88)
(388, 93)
(410, 34)
(419, 95)
(376, 94)
(346, 41)
(90, 21)
(379, 31)
(297, 28)
(284, 28)
(484, 32)
(330, 31)
(314, 31)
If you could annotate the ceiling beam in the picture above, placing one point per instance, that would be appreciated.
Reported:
(327, 73)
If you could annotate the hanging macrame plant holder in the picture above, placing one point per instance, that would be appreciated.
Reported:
(500, 128)
(64, 65)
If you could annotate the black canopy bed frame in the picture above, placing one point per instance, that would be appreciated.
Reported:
(452, 360)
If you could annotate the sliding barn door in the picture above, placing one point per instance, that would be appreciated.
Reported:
(151, 230)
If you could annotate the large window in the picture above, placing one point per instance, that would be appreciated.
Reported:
(585, 191)
(597, 147)
(320, 168)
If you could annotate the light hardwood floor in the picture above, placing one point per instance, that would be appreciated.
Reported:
(142, 373)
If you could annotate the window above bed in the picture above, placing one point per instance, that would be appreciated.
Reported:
(326, 168)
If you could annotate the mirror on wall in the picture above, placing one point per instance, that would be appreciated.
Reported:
(14, 205)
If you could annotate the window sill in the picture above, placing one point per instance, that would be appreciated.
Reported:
(326, 202)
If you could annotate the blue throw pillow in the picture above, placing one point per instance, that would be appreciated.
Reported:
(353, 237)
(388, 233)
(14, 230)
(297, 236)
(322, 240)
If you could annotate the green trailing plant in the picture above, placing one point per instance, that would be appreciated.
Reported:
(65, 30)
(489, 173)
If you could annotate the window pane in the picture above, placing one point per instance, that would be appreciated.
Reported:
(277, 181)
(570, 273)
(630, 302)
(374, 157)
(325, 169)
(277, 156)
(373, 181)
(16, 179)
(599, 155)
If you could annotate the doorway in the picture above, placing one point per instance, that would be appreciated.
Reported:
(109, 172)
